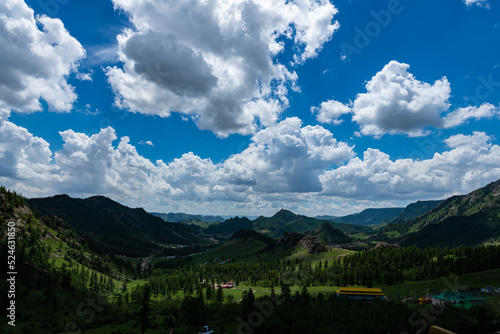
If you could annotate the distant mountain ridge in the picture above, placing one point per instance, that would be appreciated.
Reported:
(230, 226)
(368, 217)
(180, 217)
(116, 228)
(413, 210)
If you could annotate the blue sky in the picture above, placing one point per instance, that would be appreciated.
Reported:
(245, 107)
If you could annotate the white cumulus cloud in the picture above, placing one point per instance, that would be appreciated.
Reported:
(37, 56)
(330, 112)
(396, 102)
(22, 155)
(215, 60)
(462, 115)
(286, 165)
(471, 162)
(287, 158)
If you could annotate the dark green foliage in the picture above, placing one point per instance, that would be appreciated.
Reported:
(370, 216)
(174, 263)
(49, 297)
(329, 234)
(145, 313)
(454, 231)
(413, 210)
(116, 229)
(247, 303)
(460, 220)
(230, 226)
(244, 234)
(285, 221)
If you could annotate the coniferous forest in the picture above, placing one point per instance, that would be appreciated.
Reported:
(67, 284)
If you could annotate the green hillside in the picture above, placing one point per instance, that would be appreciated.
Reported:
(115, 228)
(243, 245)
(55, 268)
(230, 226)
(413, 210)
(459, 220)
(329, 234)
(371, 217)
(285, 221)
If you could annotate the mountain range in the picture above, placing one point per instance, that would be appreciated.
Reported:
(115, 228)
(460, 220)
(374, 216)
(329, 234)
(180, 217)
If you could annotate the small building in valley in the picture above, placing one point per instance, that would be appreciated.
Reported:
(360, 293)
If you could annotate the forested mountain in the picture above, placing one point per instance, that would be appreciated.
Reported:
(55, 268)
(60, 273)
(114, 227)
(230, 226)
(370, 216)
(413, 210)
(329, 234)
(285, 221)
(275, 226)
(186, 218)
(245, 234)
(242, 245)
(459, 220)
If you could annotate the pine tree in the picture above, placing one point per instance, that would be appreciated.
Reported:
(145, 313)
(208, 292)
(219, 298)
(247, 301)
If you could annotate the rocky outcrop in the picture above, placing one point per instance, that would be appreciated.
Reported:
(312, 244)
(382, 244)
(290, 239)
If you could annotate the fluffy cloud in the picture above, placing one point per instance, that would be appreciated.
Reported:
(471, 162)
(283, 158)
(38, 54)
(330, 112)
(287, 158)
(22, 155)
(462, 115)
(215, 60)
(396, 102)
(286, 165)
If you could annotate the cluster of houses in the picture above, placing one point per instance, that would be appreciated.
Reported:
(228, 285)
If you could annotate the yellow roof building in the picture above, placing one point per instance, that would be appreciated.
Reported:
(360, 293)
